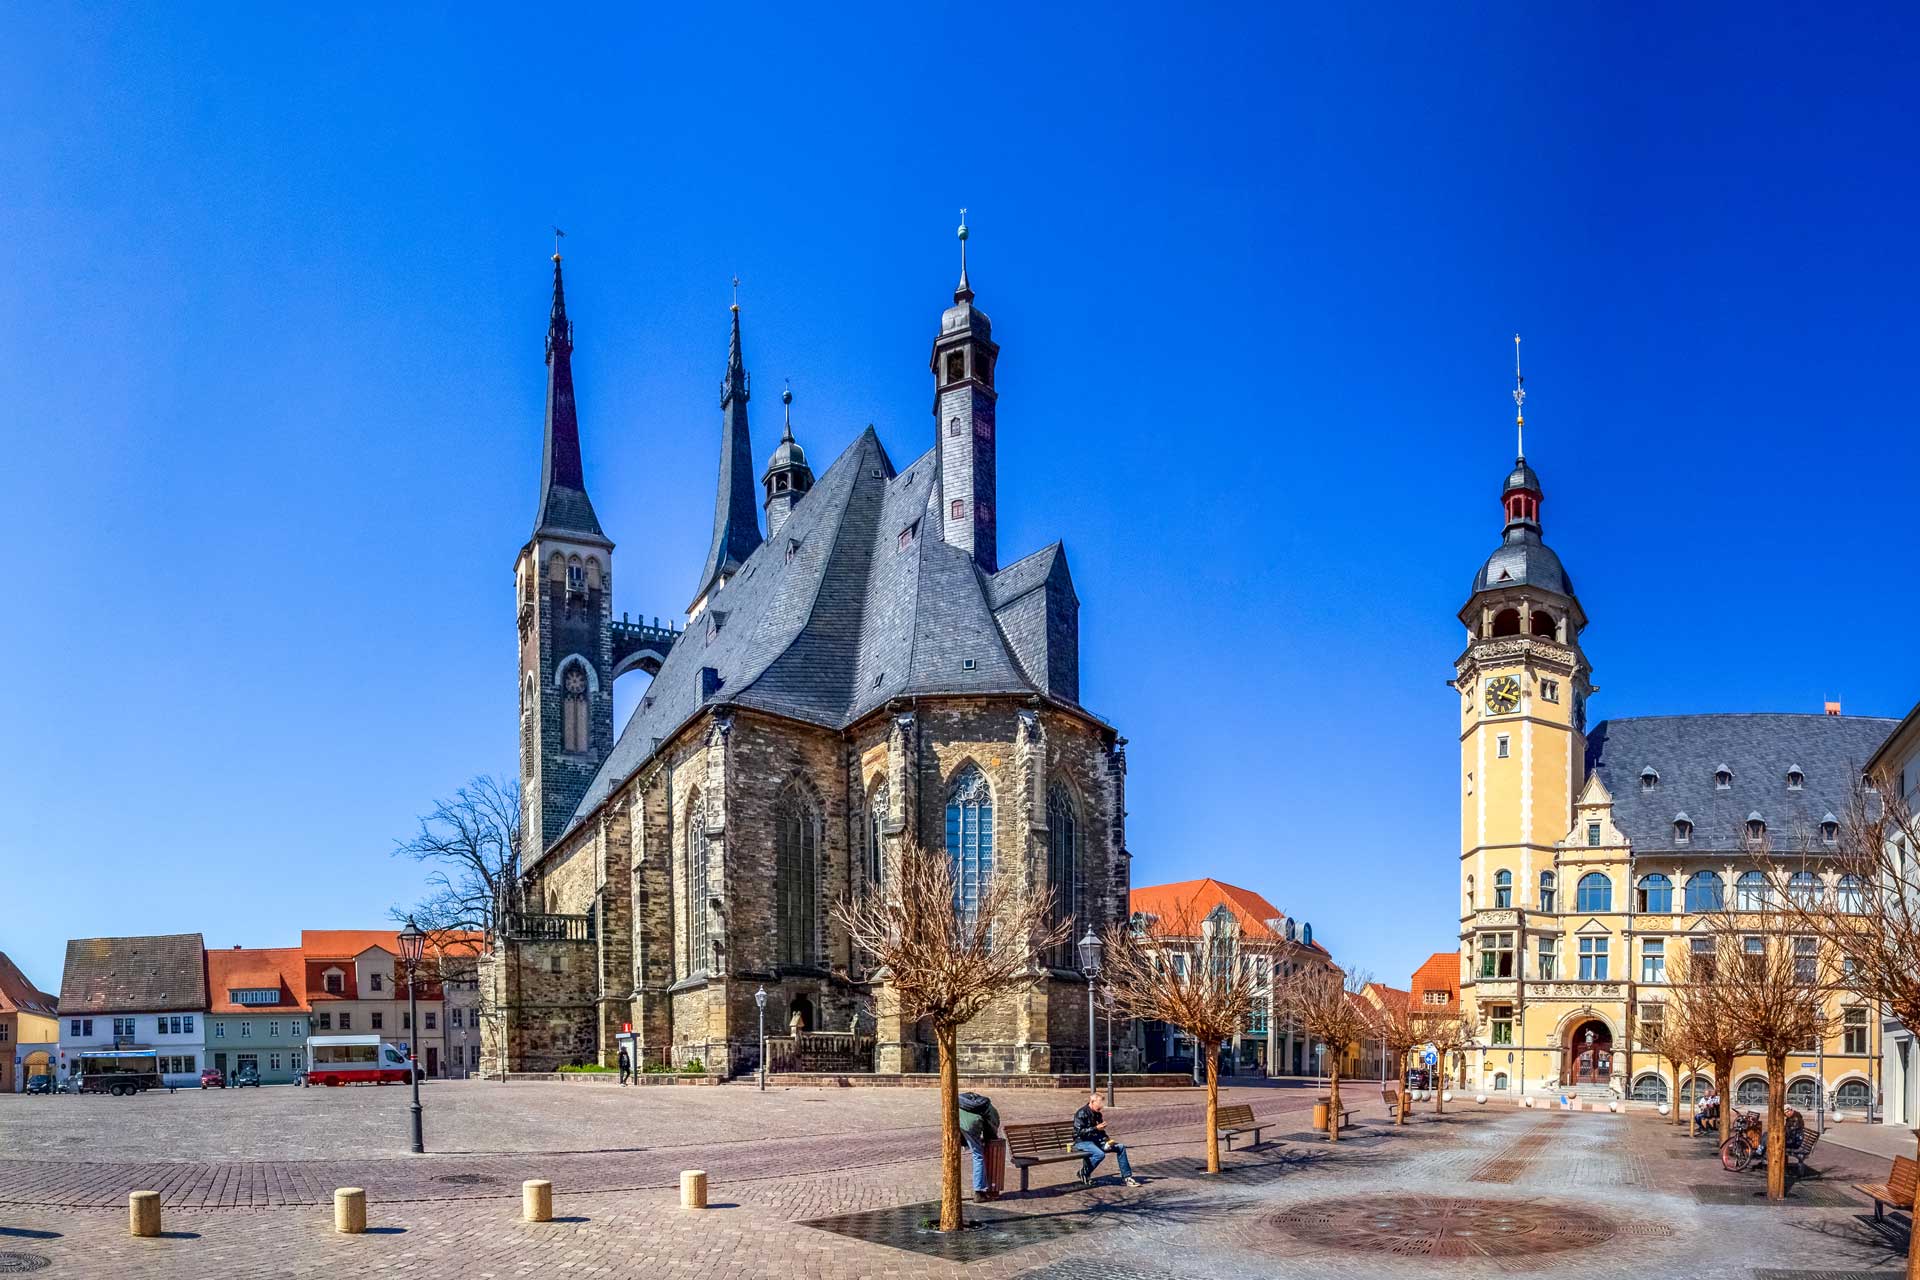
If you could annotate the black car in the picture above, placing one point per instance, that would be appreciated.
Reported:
(40, 1084)
(244, 1076)
(1417, 1079)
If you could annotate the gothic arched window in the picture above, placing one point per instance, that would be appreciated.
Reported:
(877, 803)
(573, 709)
(1705, 892)
(796, 848)
(970, 839)
(1064, 870)
(699, 941)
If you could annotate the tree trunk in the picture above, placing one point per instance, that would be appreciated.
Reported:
(1400, 1112)
(945, 1037)
(1440, 1083)
(1333, 1100)
(1776, 1127)
(1723, 1085)
(1213, 1113)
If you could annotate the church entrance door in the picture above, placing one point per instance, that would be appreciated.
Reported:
(1589, 1054)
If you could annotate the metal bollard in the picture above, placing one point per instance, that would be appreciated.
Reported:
(693, 1189)
(350, 1211)
(143, 1213)
(536, 1200)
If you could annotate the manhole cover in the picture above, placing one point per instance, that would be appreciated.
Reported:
(466, 1179)
(13, 1264)
(1443, 1227)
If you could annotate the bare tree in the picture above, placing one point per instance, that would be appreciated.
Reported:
(1449, 1032)
(1396, 1024)
(1328, 1005)
(1699, 989)
(1867, 919)
(1195, 974)
(946, 964)
(471, 843)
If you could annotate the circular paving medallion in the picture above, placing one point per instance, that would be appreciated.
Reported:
(1443, 1226)
(15, 1263)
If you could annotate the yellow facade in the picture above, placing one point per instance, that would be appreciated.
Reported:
(1560, 951)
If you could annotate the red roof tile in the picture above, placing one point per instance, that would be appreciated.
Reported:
(256, 969)
(1196, 899)
(17, 995)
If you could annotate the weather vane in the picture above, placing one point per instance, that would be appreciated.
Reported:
(736, 294)
(558, 236)
(1519, 400)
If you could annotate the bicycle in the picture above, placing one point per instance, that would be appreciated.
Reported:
(1739, 1151)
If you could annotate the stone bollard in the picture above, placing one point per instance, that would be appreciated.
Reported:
(536, 1200)
(143, 1213)
(693, 1189)
(350, 1211)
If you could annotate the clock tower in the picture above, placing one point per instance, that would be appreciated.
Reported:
(1522, 684)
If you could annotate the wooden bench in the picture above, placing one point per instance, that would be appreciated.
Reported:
(1234, 1121)
(1345, 1119)
(1897, 1190)
(1798, 1152)
(1394, 1100)
(1031, 1144)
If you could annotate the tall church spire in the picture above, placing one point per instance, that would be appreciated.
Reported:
(963, 415)
(736, 520)
(563, 485)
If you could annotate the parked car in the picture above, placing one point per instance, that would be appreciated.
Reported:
(40, 1084)
(244, 1076)
(1417, 1079)
(211, 1078)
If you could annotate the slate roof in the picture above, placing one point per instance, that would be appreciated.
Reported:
(855, 602)
(564, 506)
(154, 974)
(1523, 559)
(1759, 750)
(17, 995)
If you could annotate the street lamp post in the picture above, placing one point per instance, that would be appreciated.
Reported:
(412, 944)
(760, 1002)
(1108, 991)
(1091, 950)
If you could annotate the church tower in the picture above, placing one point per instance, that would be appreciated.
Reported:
(963, 358)
(1522, 683)
(563, 586)
(788, 476)
(736, 524)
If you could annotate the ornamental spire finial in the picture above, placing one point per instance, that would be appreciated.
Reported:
(1519, 402)
(736, 295)
(558, 236)
(786, 399)
(964, 293)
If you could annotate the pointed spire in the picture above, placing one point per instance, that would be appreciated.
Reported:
(963, 292)
(786, 427)
(736, 520)
(1519, 404)
(563, 487)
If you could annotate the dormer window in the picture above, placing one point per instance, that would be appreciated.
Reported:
(1682, 829)
(1756, 829)
(1829, 829)
(1649, 778)
(907, 535)
(1795, 778)
(1722, 778)
(792, 549)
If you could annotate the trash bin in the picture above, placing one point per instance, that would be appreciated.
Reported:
(996, 1159)
(1320, 1115)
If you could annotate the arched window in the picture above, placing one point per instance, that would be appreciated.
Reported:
(1543, 625)
(970, 839)
(1852, 1095)
(1655, 894)
(1650, 1087)
(573, 708)
(699, 889)
(1499, 1082)
(877, 802)
(1851, 896)
(1502, 890)
(796, 849)
(1752, 1092)
(1705, 892)
(1722, 778)
(1064, 870)
(1803, 887)
(1694, 1088)
(1546, 891)
(1649, 779)
(1506, 622)
(1751, 892)
(1594, 893)
(1803, 1094)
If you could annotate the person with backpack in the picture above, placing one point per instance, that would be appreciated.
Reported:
(979, 1125)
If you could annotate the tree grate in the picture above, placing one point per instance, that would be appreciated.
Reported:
(13, 1264)
(1444, 1226)
(989, 1233)
(1800, 1195)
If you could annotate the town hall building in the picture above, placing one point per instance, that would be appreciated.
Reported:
(859, 669)
(1593, 858)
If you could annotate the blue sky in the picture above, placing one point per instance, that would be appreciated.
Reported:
(273, 285)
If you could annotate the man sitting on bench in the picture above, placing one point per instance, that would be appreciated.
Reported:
(1090, 1140)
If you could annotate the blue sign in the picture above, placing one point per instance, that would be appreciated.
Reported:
(1429, 1057)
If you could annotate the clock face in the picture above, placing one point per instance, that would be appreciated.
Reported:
(1503, 694)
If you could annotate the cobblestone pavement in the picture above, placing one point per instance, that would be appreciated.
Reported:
(1478, 1192)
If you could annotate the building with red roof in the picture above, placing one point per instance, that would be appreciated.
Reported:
(257, 1012)
(29, 1027)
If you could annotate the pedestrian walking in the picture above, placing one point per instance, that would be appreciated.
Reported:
(980, 1129)
(1091, 1139)
(626, 1067)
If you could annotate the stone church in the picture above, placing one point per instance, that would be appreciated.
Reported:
(857, 669)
